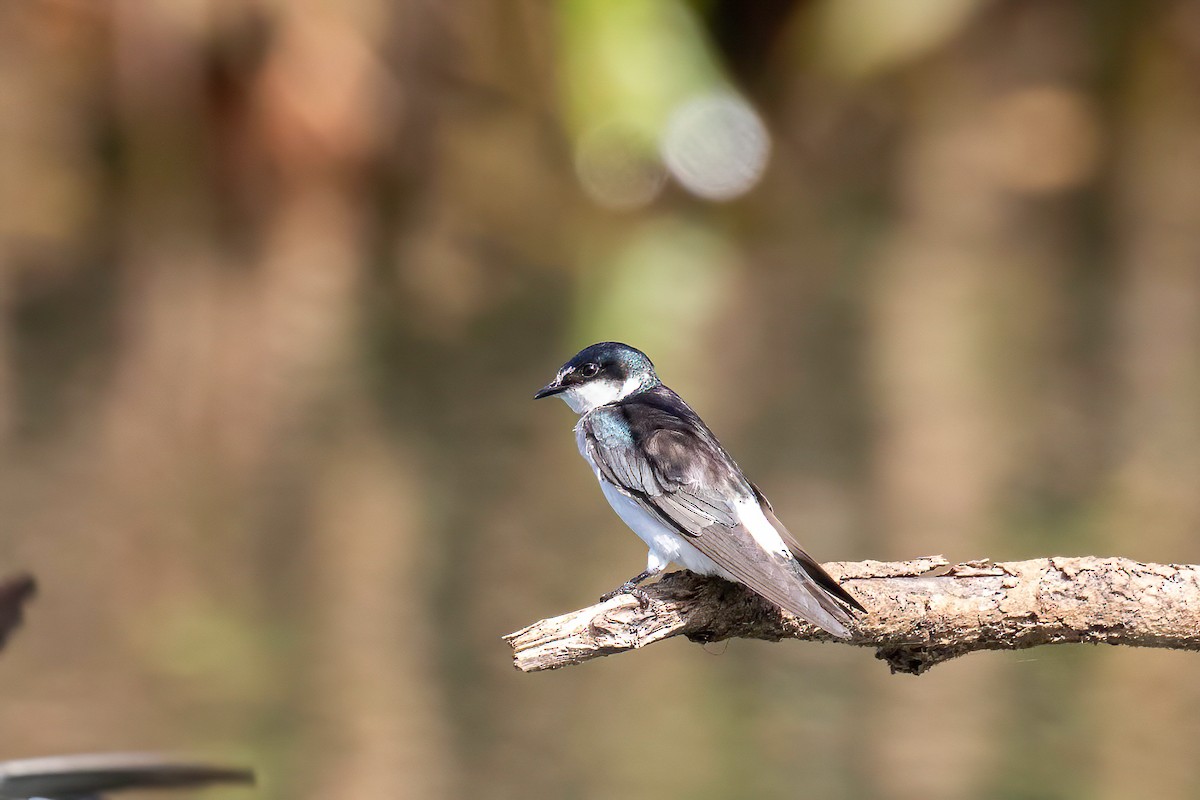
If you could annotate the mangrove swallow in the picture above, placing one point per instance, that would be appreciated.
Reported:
(670, 480)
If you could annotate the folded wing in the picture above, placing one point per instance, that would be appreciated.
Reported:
(674, 467)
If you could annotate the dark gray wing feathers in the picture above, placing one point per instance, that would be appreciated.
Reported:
(807, 562)
(663, 456)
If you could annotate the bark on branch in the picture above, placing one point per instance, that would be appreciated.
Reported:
(922, 612)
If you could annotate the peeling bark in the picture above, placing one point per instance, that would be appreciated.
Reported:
(922, 612)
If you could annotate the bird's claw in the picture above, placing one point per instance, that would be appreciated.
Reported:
(636, 592)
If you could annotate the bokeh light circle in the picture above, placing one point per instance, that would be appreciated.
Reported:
(618, 167)
(716, 146)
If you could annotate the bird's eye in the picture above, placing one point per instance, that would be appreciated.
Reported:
(589, 370)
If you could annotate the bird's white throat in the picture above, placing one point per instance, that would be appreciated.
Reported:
(593, 394)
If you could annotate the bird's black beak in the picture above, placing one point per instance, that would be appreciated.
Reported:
(550, 389)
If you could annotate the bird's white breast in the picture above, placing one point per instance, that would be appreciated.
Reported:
(665, 544)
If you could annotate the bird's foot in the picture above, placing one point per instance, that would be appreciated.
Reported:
(631, 589)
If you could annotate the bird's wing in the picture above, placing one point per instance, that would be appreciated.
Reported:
(807, 562)
(678, 472)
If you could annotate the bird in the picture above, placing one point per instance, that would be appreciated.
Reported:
(672, 482)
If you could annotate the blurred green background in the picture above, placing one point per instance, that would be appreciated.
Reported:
(278, 280)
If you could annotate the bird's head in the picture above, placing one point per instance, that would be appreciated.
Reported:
(600, 374)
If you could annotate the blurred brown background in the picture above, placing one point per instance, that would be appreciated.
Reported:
(278, 279)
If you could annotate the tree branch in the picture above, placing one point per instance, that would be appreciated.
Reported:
(922, 612)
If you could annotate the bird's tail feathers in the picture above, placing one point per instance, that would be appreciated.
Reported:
(827, 585)
(772, 576)
(816, 607)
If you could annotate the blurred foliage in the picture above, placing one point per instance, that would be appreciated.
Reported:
(277, 281)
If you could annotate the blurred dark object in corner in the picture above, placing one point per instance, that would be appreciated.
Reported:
(746, 33)
(81, 777)
(14, 592)
(84, 777)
